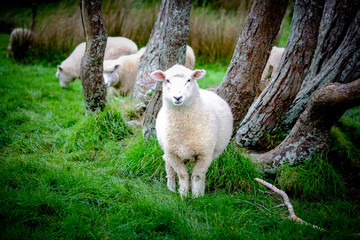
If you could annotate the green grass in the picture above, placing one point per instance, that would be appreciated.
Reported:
(67, 176)
(214, 72)
(345, 140)
(303, 184)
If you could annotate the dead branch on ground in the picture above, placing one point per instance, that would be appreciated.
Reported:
(292, 216)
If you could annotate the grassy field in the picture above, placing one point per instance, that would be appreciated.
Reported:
(67, 176)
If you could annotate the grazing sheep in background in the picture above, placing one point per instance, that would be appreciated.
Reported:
(193, 125)
(270, 68)
(69, 69)
(120, 74)
(22, 38)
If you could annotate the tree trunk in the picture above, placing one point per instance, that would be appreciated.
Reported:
(338, 46)
(91, 73)
(312, 130)
(166, 47)
(272, 104)
(242, 77)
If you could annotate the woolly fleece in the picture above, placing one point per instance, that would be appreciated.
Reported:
(192, 125)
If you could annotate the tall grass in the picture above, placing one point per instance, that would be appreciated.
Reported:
(302, 183)
(213, 34)
(214, 27)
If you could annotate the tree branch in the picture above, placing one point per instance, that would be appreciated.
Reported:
(287, 202)
(312, 130)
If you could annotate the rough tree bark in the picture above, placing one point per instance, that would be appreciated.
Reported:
(242, 77)
(91, 73)
(312, 130)
(166, 47)
(273, 103)
(338, 42)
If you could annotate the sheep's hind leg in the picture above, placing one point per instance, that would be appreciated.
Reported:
(198, 176)
(181, 170)
(170, 174)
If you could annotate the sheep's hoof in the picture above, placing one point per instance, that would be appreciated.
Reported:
(183, 192)
(197, 193)
(171, 184)
(171, 187)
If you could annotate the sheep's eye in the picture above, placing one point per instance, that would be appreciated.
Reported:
(167, 80)
(188, 81)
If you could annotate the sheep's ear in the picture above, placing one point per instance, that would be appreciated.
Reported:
(197, 74)
(60, 68)
(117, 66)
(158, 75)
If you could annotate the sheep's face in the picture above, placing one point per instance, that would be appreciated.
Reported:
(111, 77)
(179, 84)
(64, 77)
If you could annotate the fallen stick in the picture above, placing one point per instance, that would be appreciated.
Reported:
(292, 216)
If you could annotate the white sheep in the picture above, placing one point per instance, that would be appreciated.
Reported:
(19, 37)
(192, 125)
(270, 67)
(69, 69)
(120, 74)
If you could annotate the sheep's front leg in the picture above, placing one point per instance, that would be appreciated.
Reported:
(170, 174)
(181, 170)
(198, 175)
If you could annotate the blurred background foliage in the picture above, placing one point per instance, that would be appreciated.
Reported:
(215, 26)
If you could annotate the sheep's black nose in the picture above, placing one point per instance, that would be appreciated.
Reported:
(178, 98)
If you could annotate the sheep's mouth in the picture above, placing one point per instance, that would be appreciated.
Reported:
(64, 84)
(178, 102)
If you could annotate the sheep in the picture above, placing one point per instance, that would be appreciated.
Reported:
(69, 69)
(120, 74)
(192, 125)
(20, 37)
(270, 68)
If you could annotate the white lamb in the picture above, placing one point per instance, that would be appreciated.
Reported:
(69, 69)
(120, 74)
(20, 36)
(192, 125)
